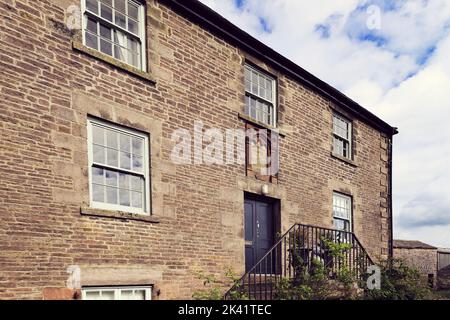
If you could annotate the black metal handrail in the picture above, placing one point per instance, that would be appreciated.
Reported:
(299, 250)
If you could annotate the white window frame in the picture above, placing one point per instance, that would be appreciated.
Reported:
(272, 102)
(141, 37)
(145, 174)
(347, 140)
(117, 291)
(350, 219)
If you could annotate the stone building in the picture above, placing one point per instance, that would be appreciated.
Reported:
(92, 94)
(419, 255)
(443, 268)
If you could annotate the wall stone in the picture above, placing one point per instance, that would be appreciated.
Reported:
(424, 260)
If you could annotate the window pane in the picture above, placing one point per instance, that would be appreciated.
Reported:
(138, 146)
(133, 26)
(119, 5)
(120, 49)
(113, 158)
(111, 178)
(107, 295)
(339, 224)
(248, 74)
(124, 181)
(133, 11)
(106, 47)
(105, 32)
(99, 154)
(112, 139)
(93, 295)
(111, 195)
(97, 175)
(98, 193)
(254, 83)
(120, 20)
(125, 160)
(139, 295)
(98, 135)
(136, 183)
(126, 295)
(136, 199)
(134, 60)
(248, 86)
(124, 197)
(125, 143)
(106, 12)
(138, 165)
(338, 146)
(91, 41)
(262, 92)
(91, 25)
(92, 6)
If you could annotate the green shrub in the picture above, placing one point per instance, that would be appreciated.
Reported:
(214, 287)
(399, 282)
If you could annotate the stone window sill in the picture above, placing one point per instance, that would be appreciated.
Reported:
(247, 118)
(348, 161)
(78, 46)
(92, 212)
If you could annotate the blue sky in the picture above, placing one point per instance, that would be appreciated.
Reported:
(393, 58)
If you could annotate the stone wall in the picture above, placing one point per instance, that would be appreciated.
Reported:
(424, 260)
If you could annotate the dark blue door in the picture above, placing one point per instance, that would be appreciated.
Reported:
(259, 231)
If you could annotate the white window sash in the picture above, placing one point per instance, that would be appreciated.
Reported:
(339, 203)
(347, 139)
(117, 291)
(141, 37)
(145, 174)
(272, 102)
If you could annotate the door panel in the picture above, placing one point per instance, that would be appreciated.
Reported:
(264, 227)
(259, 231)
(250, 235)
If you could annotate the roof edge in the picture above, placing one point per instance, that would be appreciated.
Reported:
(412, 244)
(198, 12)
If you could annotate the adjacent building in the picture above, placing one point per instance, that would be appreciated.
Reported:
(420, 256)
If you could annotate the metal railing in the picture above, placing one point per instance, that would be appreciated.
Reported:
(300, 250)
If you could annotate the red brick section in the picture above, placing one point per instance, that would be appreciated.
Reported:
(47, 90)
(61, 294)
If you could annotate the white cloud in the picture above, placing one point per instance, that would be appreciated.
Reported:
(401, 72)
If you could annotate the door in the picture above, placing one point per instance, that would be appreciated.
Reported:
(259, 231)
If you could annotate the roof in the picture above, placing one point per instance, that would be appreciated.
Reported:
(207, 18)
(411, 244)
(444, 250)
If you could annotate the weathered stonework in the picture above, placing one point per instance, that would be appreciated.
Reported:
(424, 259)
(47, 91)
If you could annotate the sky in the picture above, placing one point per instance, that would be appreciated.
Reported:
(392, 57)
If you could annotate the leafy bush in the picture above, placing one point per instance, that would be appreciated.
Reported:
(399, 282)
(215, 287)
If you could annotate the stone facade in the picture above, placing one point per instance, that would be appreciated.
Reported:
(444, 268)
(49, 85)
(418, 255)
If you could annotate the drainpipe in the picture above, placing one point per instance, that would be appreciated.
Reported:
(391, 212)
